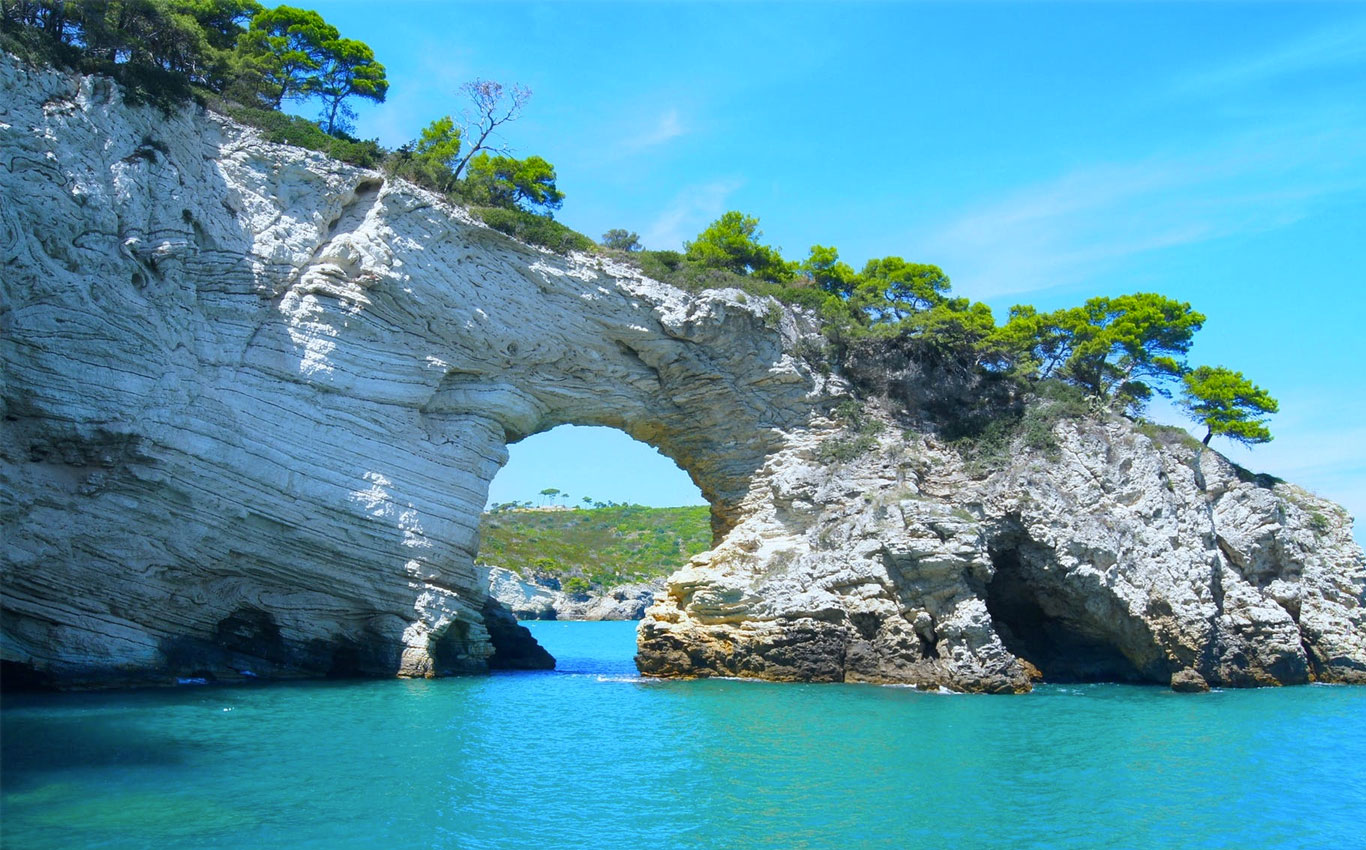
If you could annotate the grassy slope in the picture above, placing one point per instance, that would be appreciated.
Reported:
(603, 546)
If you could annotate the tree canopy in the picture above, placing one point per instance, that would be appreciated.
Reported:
(732, 243)
(825, 270)
(258, 56)
(347, 69)
(1115, 348)
(435, 154)
(290, 53)
(154, 47)
(621, 240)
(1227, 404)
(282, 52)
(503, 181)
(891, 289)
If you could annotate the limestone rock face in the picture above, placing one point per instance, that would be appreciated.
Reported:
(251, 401)
(253, 398)
(1111, 556)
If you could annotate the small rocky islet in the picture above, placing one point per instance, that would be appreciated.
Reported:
(253, 398)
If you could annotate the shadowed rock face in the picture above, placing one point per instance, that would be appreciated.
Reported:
(253, 399)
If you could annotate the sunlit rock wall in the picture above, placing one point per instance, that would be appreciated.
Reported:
(252, 400)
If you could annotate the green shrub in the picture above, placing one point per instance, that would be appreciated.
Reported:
(1068, 399)
(575, 585)
(533, 229)
(658, 264)
(987, 444)
(606, 545)
(422, 171)
(292, 130)
(815, 353)
(845, 447)
(1319, 522)
(1168, 435)
(857, 436)
(1053, 402)
(989, 447)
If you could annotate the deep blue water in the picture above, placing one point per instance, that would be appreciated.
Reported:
(590, 756)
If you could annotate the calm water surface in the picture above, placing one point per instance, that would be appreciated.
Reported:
(591, 756)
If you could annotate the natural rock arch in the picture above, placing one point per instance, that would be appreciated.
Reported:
(253, 398)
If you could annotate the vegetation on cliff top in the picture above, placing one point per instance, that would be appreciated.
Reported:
(590, 548)
(1119, 352)
(247, 60)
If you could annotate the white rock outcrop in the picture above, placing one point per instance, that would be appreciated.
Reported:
(253, 397)
(1113, 556)
(252, 400)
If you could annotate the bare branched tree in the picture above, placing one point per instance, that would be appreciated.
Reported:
(493, 106)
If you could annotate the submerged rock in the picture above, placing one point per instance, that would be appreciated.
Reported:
(1189, 682)
(252, 398)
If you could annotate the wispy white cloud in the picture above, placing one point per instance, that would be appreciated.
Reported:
(1083, 222)
(1290, 154)
(1339, 45)
(688, 212)
(666, 127)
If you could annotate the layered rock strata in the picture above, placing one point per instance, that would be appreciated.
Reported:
(252, 400)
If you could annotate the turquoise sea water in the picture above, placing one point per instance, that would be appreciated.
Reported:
(590, 756)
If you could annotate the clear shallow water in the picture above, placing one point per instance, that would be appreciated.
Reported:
(589, 756)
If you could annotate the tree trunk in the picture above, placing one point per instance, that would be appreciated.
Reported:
(332, 116)
(1208, 433)
(478, 146)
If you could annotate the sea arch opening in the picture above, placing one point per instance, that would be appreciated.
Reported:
(585, 523)
(707, 384)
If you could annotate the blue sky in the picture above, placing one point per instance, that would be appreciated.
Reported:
(1038, 152)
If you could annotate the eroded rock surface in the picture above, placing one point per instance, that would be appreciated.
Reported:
(1112, 556)
(253, 398)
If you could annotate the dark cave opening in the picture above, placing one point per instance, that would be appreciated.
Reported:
(18, 677)
(1042, 623)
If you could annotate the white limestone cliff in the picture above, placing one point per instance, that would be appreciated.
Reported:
(252, 399)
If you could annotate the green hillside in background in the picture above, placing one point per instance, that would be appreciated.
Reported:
(594, 547)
